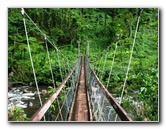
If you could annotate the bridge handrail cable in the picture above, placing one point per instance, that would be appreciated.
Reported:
(119, 110)
(42, 110)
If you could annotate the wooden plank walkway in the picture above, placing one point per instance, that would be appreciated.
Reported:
(80, 110)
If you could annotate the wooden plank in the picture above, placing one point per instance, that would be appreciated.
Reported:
(81, 109)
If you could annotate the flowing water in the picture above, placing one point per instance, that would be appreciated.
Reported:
(23, 96)
(27, 98)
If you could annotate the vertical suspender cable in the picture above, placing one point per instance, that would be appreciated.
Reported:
(48, 54)
(45, 38)
(110, 70)
(124, 85)
(102, 72)
(99, 64)
(68, 65)
(65, 67)
(40, 30)
(29, 49)
(23, 12)
(62, 80)
(52, 75)
(112, 64)
(59, 66)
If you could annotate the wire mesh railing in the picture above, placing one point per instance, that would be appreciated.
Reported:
(64, 94)
(103, 104)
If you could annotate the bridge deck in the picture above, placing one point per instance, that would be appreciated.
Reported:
(80, 110)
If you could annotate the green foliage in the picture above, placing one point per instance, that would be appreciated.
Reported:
(54, 105)
(143, 73)
(100, 26)
(59, 101)
(17, 114)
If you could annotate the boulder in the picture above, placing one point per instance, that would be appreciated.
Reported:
(44, 92)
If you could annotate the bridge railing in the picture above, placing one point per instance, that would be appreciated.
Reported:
(103, 105)
(62, 98)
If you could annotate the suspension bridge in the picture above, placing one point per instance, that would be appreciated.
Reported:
(81, 96)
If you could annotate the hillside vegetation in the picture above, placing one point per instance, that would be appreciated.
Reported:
(65, 27)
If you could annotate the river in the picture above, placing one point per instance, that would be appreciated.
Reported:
(27, 98)
(23, 96)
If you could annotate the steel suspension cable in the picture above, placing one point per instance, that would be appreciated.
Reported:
(59, 64)
(29, 49)
(65, 71)
(128, 68)
(67, 83)
(47, 53)
(23, 12)
(112, 64)
(41, 31)
(68, 61)
(102, 72)
(69, 69)
(96, 65)
(62, 81)
(66, 93)
(44, 35)
(110, 72)
(99, 64)
(49, 60)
